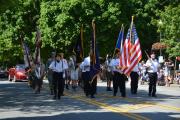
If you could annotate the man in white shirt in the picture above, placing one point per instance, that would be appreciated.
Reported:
(119, 78)
(58, 67)
(152, 69)
(85, 67)
(134, 79)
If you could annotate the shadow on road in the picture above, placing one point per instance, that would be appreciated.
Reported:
(95, 116)
(19, 97)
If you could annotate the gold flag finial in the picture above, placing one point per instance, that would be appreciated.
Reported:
(132, 18)
(93, 23)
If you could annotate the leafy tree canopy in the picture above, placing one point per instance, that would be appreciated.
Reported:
(60, 21)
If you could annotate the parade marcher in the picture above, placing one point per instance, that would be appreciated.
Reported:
(50, 72)
(58, 67)
(108, 72)
(39, 72)
(73, 72)
(166, 74)
(152, 69)
(134, 79)
(119, 79)
(89, 84)
(75, 77)
(67, 76)
(85, 67)
(171, 70)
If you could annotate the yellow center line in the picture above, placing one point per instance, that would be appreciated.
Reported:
(119, 110)
(164, 106)
(129, 107)
(135, 100)
(144, 102)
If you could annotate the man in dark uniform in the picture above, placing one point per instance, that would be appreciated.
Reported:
(152, 69)
(85, 67)
(119, 79)
(134, 79)
(90, 81)
(58, 67)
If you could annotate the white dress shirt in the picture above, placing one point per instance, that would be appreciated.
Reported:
(60, 66)
(107, 63)
(136, 68)
(152, 65)
(38, 72)
(85, 65)
(114, 64)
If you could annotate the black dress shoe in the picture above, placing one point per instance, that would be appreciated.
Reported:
(134, 93)
(59, 97)
(87, 94)
(109, 89)
(92, 96)
(67, 87)
(154, 96)
(52, 93)
(54, 97)
(123, 96)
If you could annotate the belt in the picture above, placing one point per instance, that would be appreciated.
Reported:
(117, 72)
(152, 72)
(57, 72)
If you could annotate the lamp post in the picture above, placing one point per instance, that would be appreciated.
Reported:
(160, 23)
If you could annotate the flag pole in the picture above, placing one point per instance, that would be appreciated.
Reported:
(94, 43)
(131, 28)
(122, 37)
(122, 29)
(82, 40)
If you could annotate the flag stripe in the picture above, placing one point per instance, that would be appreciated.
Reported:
(131, 53)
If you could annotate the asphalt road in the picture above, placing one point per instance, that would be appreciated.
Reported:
(18, 102)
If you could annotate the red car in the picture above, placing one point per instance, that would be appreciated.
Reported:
(17, 73)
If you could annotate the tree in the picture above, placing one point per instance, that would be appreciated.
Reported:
(60, 21)
(170, 28)
(15, 21)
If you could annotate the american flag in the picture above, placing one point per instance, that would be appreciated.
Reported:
(131, 53)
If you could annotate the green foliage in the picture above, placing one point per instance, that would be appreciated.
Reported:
(60, 21)
(170, 29)
(16, 21)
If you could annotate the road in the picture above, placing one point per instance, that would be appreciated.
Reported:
(18, 102)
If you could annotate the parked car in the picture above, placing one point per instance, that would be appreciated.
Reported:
(3, 73)
(17, 73)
